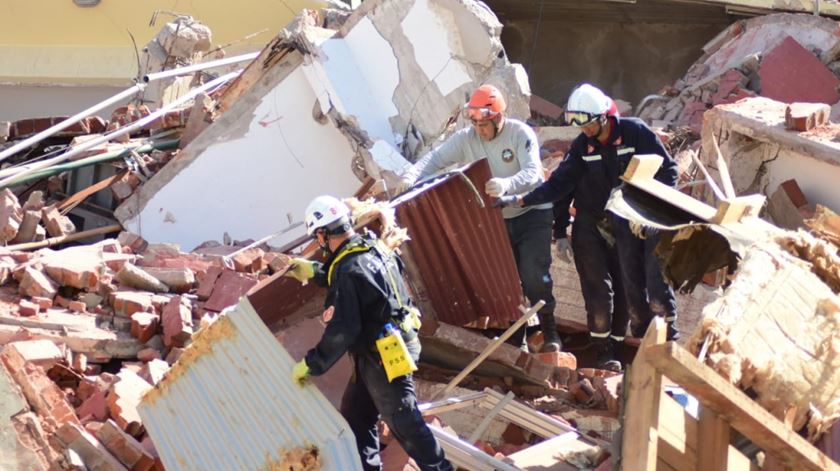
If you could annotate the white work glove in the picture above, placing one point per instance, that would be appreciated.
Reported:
(496, 187)
(564, 250)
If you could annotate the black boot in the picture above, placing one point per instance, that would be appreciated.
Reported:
(551, 341)
(672, 332)
(605, 351)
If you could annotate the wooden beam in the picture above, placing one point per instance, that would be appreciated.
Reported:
(643, 167)
(723, 171)
(639, 175)
(713, 440)
(641, 419)
(733, 210)
(527, 314)
(729, 402)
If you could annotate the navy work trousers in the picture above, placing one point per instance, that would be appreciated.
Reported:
(370, 396)
(600, 280)
(648, 294)
(530, 238)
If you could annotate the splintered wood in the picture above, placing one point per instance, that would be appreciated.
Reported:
(776, 331)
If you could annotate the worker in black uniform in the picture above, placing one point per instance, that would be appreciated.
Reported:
(590, 171)
(366, 298)
(596, 260)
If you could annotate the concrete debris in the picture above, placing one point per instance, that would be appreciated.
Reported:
(785, 57)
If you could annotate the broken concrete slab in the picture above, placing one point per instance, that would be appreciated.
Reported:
(179, 280)
(43, 353)
(135, 277)
(13, 453)
(36, 284)
(363, 81)
(79, 332)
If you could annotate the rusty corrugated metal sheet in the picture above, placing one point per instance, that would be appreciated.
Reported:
(462, 250)
(230, 403)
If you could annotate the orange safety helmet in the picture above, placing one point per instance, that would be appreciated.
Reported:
(486, 102)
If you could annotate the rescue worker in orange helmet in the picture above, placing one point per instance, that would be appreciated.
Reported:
(510, 147)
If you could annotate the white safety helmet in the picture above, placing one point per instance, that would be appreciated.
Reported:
(586, 104)
(327, 212)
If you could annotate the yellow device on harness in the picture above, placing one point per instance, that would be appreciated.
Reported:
(394, 354)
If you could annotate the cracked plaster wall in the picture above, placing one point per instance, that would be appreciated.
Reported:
(250, 174)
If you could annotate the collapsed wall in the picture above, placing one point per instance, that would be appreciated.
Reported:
(321, 110)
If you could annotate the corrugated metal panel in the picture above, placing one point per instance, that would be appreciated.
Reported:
(462, 250)
(230, 403)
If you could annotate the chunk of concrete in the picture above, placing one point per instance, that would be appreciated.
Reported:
(135, 277)
(123, 398)
(56, 224)
(37, 284)
(43, 353)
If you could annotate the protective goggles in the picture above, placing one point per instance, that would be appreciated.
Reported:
(579, 118)
(478, 114)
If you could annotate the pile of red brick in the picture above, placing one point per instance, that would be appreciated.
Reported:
(85, 405)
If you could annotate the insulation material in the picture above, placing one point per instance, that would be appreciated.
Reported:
(776, 332)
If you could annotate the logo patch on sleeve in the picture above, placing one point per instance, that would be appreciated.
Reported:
(507, 156)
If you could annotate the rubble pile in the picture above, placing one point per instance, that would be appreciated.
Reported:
(786, 57)
(87, 329)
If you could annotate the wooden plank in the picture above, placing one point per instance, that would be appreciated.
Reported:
(733, 210)
(71, 201)
(755, 423)
(713, 439)
(677, 434)
(723, 171)
(642, 167)
(642, 180)
(641, 419)
(526, 314)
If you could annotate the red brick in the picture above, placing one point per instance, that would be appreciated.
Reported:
(27, 308)
(11, 215)
(94, 407)
(791, 73)
(34, 283)
(56, 224)
(154, 371)
(173, 355)
(794, 193)
(43, 353)
(732, 80)
(806, 116)
(39, 390)
(148, 354)
(30, 126)
(249, 261)
(560, 359)
(43, 303)
(177, 323)
(93, 453)
(133, 242)
(124, 186)
(77, 306)
(80, 363)
(692, 115)
(128, 450)
(205, 287)
(144, 325)
(123, 399)
(74, 268)
(228, 289)
(126, 303)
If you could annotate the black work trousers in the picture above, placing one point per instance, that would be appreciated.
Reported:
(530, 238)
(648, 294)
(370, 396)
(600, 280)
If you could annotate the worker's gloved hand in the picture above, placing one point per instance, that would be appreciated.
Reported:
(505, 201)
(301, 269)
(300, 372)
(496, 187)
(564, 250)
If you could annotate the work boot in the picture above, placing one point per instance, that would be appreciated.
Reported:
(605, 354)
(519, 339)
(551, 341)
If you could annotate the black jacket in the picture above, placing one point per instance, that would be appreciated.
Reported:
(591, 170)
(361, 279)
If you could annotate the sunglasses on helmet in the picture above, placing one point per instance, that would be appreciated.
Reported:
(478, 114)
(579, 118)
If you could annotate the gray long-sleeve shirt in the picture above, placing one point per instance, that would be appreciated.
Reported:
(513, 155)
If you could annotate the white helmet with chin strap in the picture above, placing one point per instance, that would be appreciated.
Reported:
(329, 213)
(586, 104)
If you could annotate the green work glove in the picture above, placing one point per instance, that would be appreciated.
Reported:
(300, 372)
(301, 269)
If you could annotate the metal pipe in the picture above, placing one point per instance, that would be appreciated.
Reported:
(119, 132)
(202, 66)
(99, 158)
(65, 238)
(70, 121)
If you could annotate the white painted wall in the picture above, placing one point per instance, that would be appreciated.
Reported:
(258, 184)
(37, 101)
(817, 179)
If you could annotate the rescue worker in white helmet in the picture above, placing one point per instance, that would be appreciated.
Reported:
(367, 304)
(590, 171)
(511, 149)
